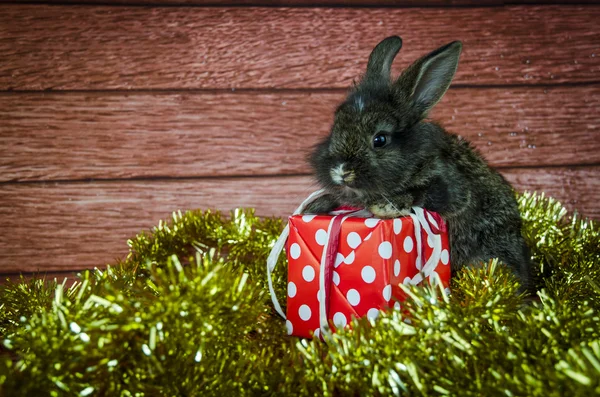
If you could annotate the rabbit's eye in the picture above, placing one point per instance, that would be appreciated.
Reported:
(379, 141)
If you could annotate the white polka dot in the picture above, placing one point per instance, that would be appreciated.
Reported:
(339, 258)
(371, 222)
(336, 278)
(397, 305)
(368, 274)
(430, 241)
(373, 313)
(304, 312)
(353, 297)
(408, 244)
(308, 218)
(445, 257)
(354, 240)
(308, 273)
(397, 268)
(349, 259)
(397, 226)
(406, 281)
(368, 236)
(319, 295)
(292, 289)
(387, 292)
(339, 320)
(295, 251)
(317, 333)
(321, 237)
(385, 250)
(289, 327)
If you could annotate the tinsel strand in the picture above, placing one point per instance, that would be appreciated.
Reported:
(188, 313)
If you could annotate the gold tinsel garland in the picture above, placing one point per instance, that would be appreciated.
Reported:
(188, 313)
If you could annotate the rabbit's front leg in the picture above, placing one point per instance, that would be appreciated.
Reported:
(321, 205)
(393, 208)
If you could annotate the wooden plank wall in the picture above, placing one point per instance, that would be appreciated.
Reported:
(113, 115)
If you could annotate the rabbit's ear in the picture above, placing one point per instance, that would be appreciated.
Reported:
(428, 79)
(381, 58)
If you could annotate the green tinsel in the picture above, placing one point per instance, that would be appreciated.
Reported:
(188, 313)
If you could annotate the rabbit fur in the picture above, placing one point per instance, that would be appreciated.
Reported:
(383, 154)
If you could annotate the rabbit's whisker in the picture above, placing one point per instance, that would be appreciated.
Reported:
(390, 203)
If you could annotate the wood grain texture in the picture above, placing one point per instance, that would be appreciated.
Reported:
(103, 47)
(64, 226)
(77, 225)
(320, 3)
(108, 136)
(70, 276)
(577, 188)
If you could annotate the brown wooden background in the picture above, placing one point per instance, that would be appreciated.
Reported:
(113, 115)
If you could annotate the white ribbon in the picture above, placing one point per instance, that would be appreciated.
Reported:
(419, 221)
(426, 270)
(278, 247)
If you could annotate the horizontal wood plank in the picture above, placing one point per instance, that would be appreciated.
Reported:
(66, 226)
(59, 277)
(577, 188)
(319, 3)
(107, 136)
(103, 47)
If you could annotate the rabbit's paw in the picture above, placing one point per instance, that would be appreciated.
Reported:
(388, 210)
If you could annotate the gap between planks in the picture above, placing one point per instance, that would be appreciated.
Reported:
(309, 3)
(167, 178)
(55, 227)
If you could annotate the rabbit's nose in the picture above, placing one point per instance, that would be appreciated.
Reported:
(342, 176)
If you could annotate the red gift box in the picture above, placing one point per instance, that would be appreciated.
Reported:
(347, 265)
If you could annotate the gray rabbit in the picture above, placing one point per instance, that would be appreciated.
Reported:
(383, 155)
